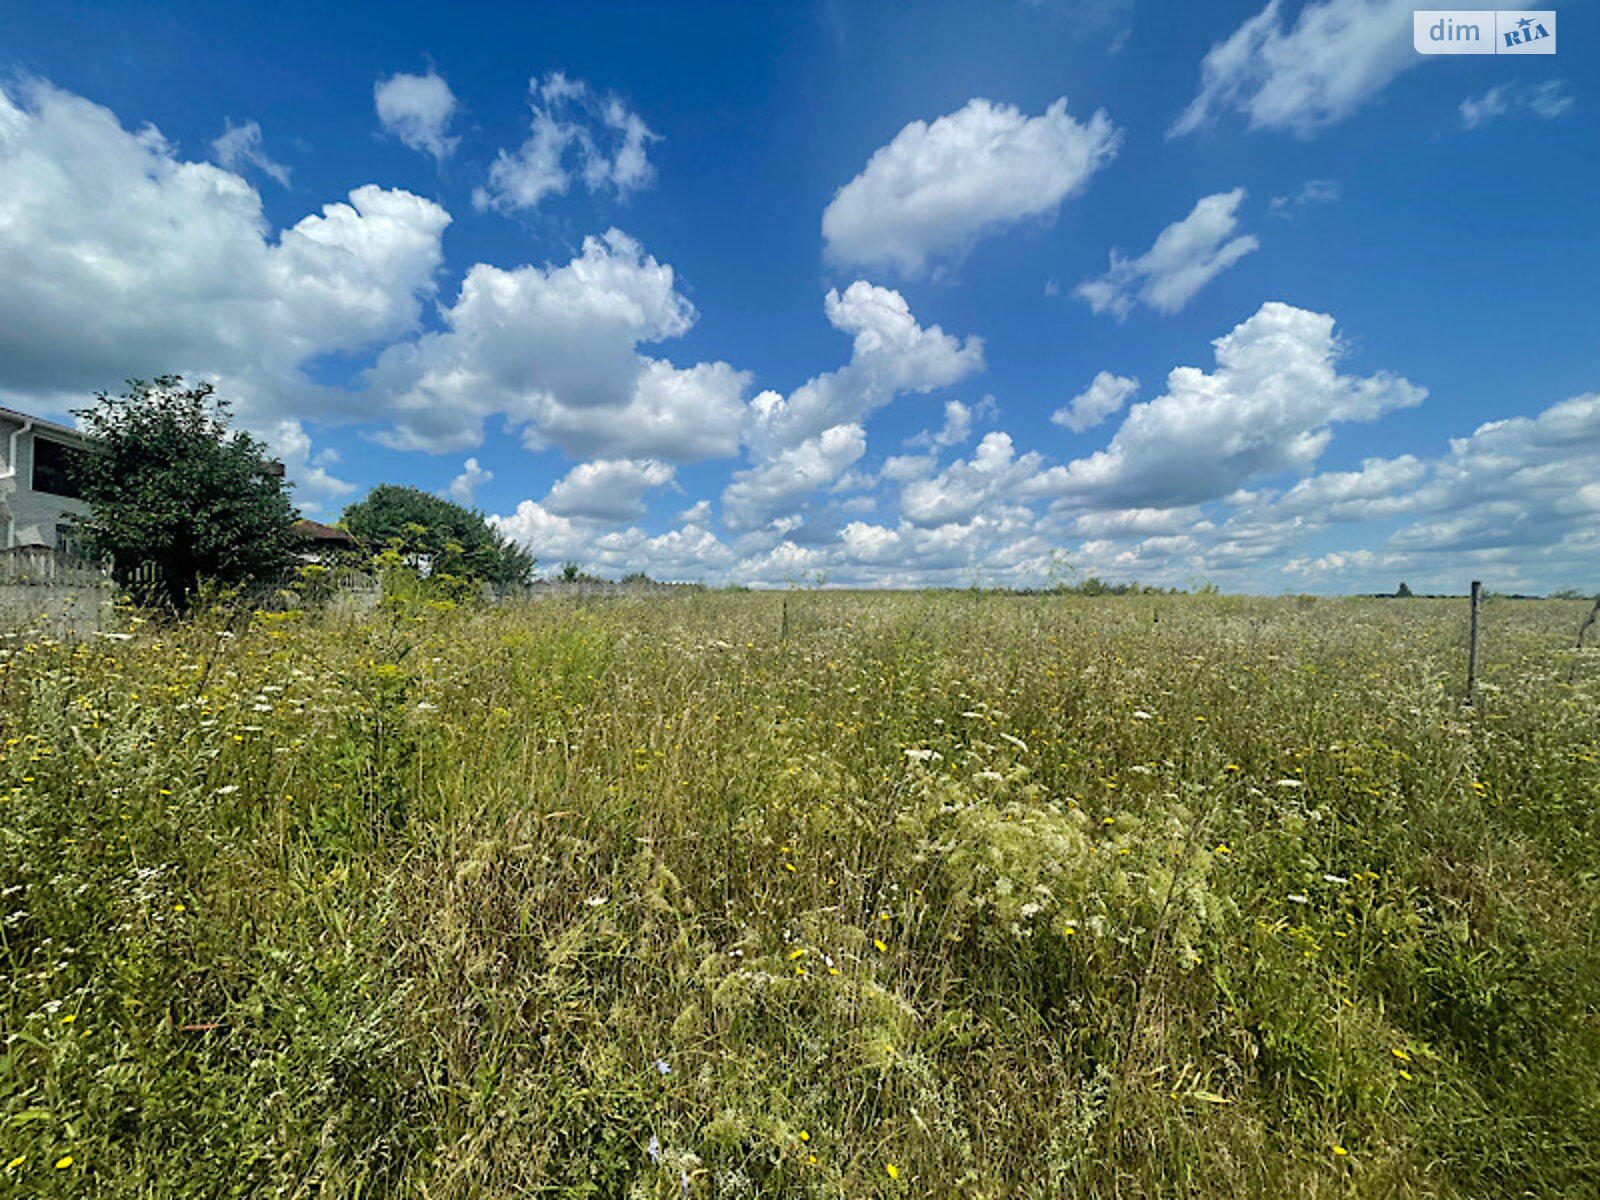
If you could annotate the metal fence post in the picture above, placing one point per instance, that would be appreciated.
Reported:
(1472, 642)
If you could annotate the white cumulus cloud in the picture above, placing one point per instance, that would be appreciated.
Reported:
(807, 441)
(965, 488)
(314, 485)
(937, 188)
(1266, 408)
(891, 354)
(1106, 394)
(121, 259)
(691, 552)
(778, 484)
(607, 491)
(555, 350)
(418, 110)
(464, 487)
(575, 133)
(1187, 255)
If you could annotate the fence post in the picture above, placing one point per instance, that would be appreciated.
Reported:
(1472, 642)
(1584, 628)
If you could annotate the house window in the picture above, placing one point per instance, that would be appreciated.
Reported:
(54, 465)
(68, 540)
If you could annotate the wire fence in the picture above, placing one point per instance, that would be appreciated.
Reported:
(59, 576)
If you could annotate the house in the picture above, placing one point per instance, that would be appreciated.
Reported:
(38, 496)
(324, 543)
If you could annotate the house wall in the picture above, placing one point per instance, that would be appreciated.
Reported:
(30, 517)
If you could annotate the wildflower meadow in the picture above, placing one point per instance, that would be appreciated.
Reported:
(720, 894)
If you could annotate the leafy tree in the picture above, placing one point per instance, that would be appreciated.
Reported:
(437, 536)
(1403, 592)
(174, 493)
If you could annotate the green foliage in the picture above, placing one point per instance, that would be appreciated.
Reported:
(1023, 896)
(176, 496)
(437, 536)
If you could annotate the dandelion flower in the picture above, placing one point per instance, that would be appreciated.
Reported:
(69, 1018)
(63, 1162)
(1400, 1054)
(804, 1136)
(1340, 1151)
(16, 1162)
(882, 949)
(894, 1171)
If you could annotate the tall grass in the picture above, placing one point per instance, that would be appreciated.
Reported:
(942, 895)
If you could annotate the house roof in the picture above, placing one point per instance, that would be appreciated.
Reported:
(11, 414)
(315, 531)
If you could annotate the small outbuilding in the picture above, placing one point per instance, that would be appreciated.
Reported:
(324, 542)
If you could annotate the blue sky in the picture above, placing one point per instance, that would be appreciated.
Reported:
(945, 293)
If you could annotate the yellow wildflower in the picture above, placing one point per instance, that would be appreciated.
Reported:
(894, 1171)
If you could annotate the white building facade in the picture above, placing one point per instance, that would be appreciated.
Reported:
(38, 497)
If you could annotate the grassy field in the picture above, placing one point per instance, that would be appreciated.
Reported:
(938, 895)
